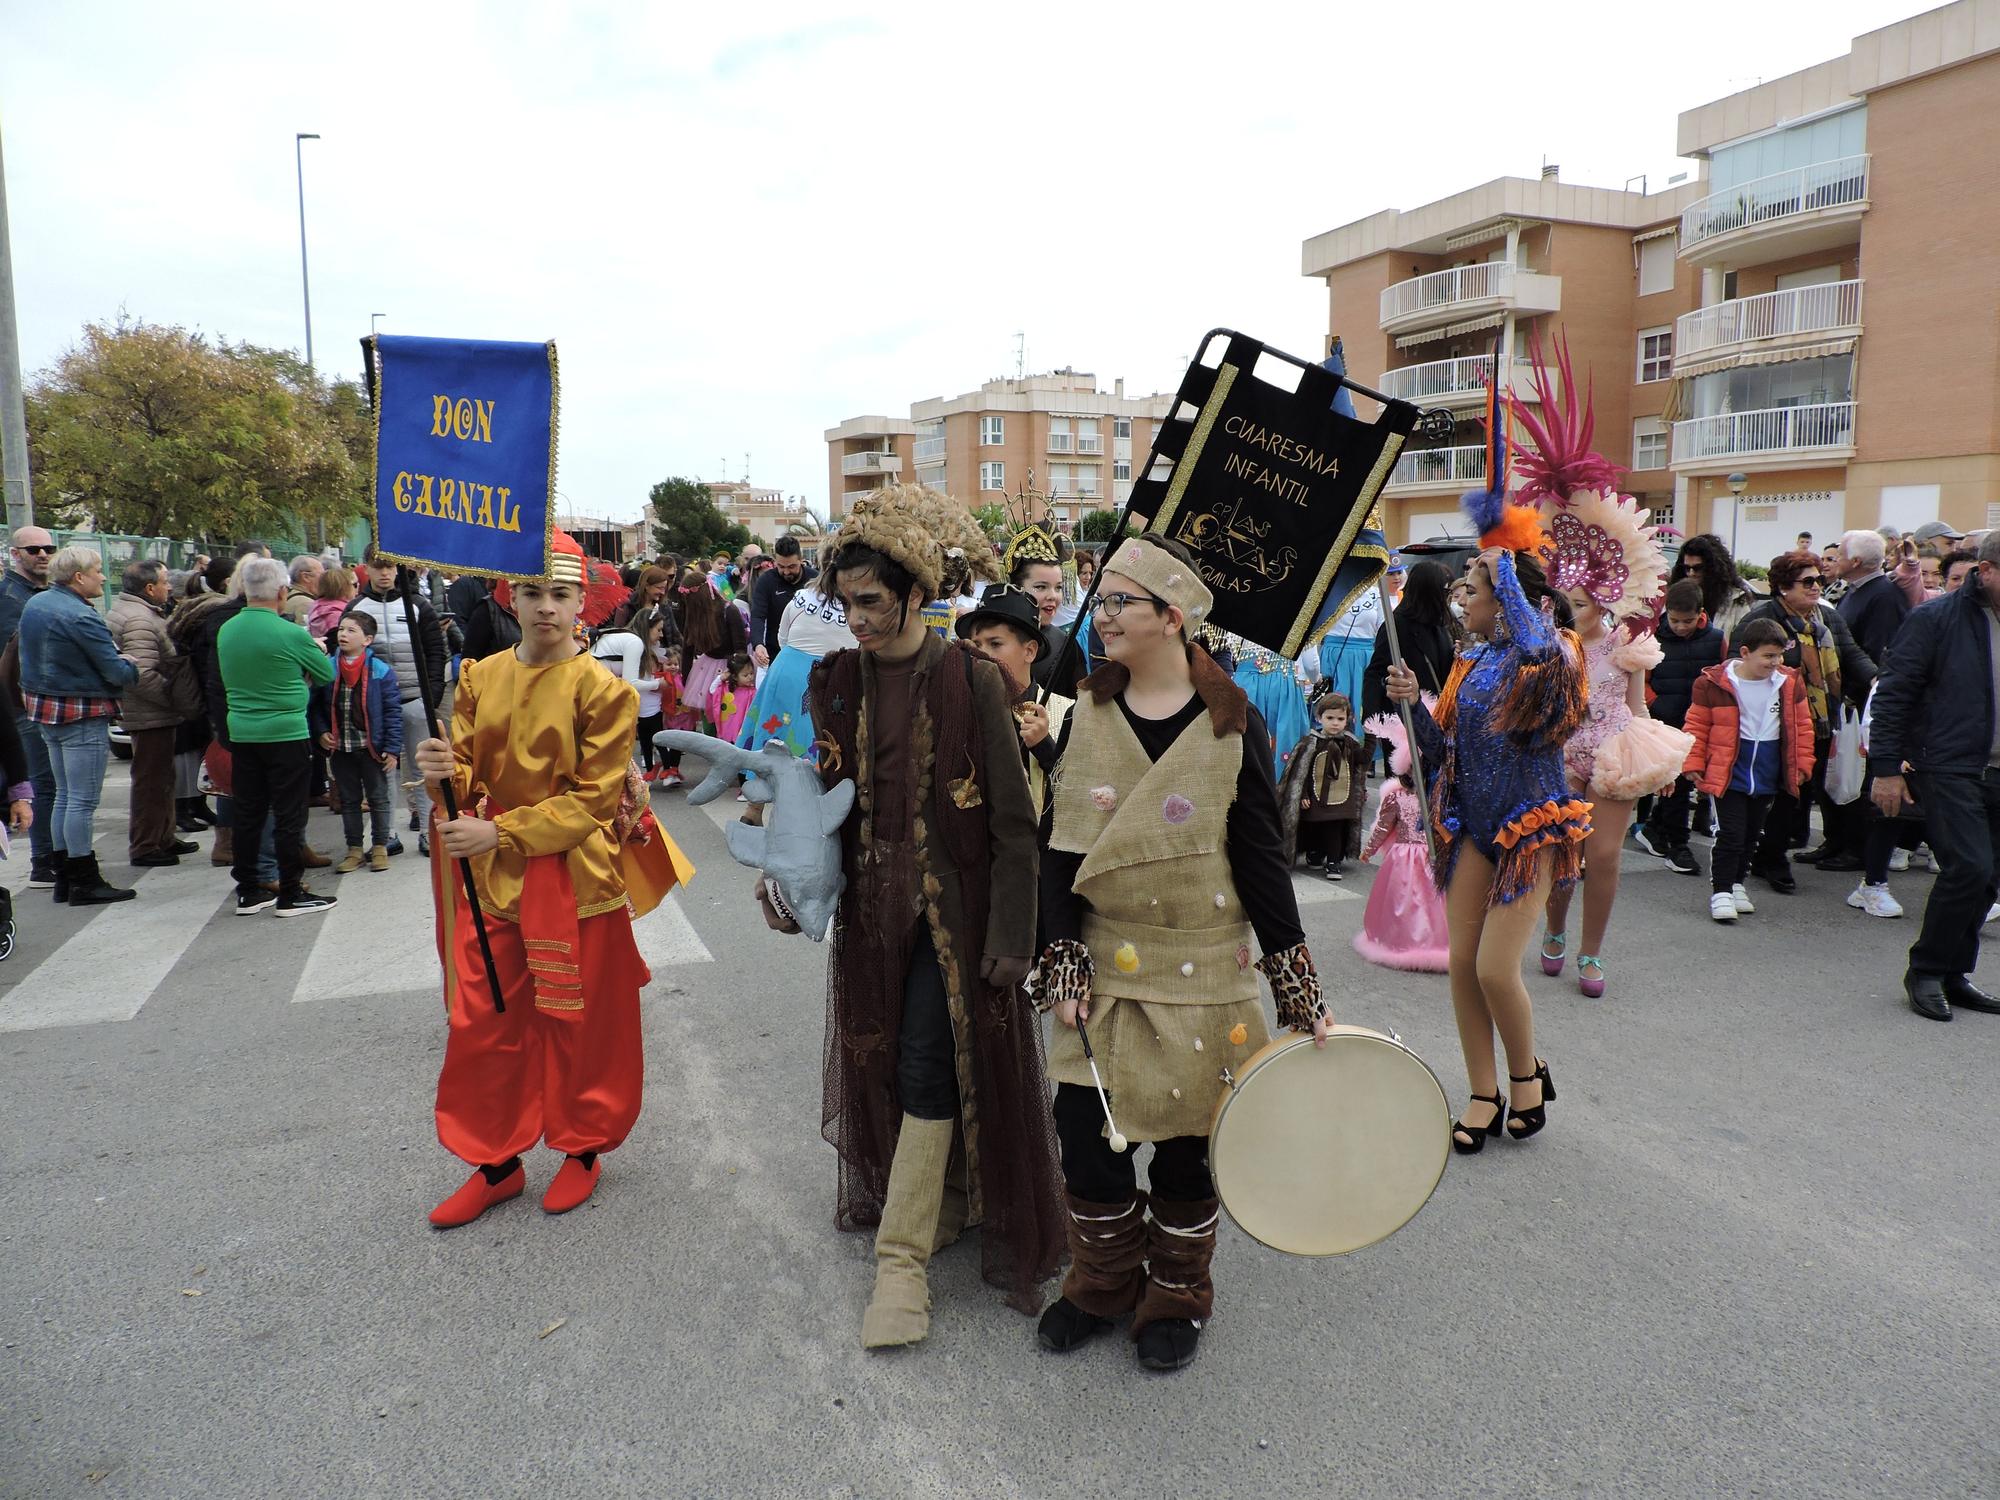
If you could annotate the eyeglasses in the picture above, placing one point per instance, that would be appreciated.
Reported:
(1111, 606)
(1694, 565)
(38, 551)
(1812, 581)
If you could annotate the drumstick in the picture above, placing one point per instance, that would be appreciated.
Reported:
(1118, 1141)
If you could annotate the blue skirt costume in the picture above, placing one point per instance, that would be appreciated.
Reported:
(1347, 647)
(779, 710)
(1273, 688)
(1494, 753)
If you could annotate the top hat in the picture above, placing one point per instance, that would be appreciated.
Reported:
(1002, 601)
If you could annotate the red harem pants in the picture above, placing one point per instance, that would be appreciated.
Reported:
(512, 1078)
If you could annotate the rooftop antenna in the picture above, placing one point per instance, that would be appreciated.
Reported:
(1020, 355)
(746, 465)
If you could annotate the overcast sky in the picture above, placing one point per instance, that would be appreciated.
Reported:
(744, 224)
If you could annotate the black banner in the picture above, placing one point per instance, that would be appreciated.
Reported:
(1270, 488)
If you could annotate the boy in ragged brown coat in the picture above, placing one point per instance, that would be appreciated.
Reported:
(1753, 732)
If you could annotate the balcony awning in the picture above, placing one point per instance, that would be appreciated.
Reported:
(1498, 230)
(1710, 364)
(1654, 234)
(1428, 335)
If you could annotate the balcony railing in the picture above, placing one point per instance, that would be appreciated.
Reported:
(871, 463)
(1780, 429)
(1442, 288)
(1783, 195)
(1089, 442)
(1831, 306)
(928, 450)
(1440, 466)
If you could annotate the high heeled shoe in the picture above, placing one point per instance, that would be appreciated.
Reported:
(1591, 984)
(1478, 1134)
(1530, 1121)
(1552, 963)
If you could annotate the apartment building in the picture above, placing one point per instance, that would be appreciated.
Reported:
(1721, 320)
(1056, 433)
(766, 514)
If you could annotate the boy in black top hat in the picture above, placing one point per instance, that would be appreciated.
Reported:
(1006, 625)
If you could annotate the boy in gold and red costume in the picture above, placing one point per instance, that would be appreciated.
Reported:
(564, 857)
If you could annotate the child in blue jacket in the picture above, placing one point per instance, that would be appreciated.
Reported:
(358, 720)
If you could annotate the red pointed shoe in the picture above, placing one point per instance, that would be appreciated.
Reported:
(478, 1195)
(573, 1185)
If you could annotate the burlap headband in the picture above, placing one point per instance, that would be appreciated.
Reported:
(1162, 575)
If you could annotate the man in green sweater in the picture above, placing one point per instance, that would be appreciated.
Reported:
(267, 664)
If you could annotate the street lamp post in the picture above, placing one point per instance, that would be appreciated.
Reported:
(1738, 483)
(14, 485)
(305, 278)
(299, 140)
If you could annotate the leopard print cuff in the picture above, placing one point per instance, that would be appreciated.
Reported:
(1064, 973)
(1294, 985)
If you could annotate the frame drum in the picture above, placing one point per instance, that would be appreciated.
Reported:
(1324, 1151)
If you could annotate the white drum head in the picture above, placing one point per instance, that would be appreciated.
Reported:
(1325, 1151)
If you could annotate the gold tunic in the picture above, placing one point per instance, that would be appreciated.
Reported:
(549, 745)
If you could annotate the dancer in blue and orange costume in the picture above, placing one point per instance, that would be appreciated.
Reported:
(1601, 556)
(1506, 830)
(553, 816)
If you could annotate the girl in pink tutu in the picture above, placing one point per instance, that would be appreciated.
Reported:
(1602, 556)
(1403, 927)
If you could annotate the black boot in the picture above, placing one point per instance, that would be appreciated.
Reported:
(185, 820)
(87, 886)
(59, 867)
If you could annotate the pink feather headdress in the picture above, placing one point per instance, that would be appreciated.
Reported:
(1598, 540)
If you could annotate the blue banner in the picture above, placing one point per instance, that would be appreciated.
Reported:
(465, 454)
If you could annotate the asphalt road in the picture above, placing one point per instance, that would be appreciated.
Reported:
(1753, 1255)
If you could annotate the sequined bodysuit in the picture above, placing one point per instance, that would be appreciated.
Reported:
(1494, 752)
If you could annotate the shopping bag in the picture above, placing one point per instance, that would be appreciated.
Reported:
(1845, 769)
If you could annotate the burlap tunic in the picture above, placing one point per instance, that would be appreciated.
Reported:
(1174, 997)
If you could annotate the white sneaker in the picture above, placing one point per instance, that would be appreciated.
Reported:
(1741, 898)
(1993, 912)
(1875, 900)
(1899, 861)
(1921, 858)
(1722, 906)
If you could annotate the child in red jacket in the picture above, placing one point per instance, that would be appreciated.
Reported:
(1752, 732)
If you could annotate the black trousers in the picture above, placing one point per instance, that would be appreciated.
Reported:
(1962, 817)
(1740, 817)
(649, 726)
(926, 1052)
(270, 780)
(1668, 822)
(1790, 825)
(1095, 1173)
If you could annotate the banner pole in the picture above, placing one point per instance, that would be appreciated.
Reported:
(429, 691)
(1410, 734)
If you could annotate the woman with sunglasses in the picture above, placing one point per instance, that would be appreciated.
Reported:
(1822, 650)
(1724, 598)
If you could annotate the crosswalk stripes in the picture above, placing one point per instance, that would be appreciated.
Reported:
(380, 940)
(81, 984)
(378, 930)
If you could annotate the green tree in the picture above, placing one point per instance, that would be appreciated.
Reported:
(687, 523)
(1097, 527)
(994, 521)
(151, 430)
